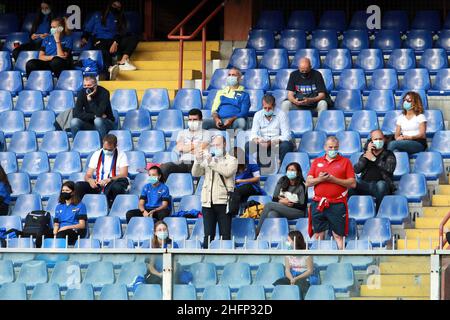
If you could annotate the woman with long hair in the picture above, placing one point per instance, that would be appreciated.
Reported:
(5, 193)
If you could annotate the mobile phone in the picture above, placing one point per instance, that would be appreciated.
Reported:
(299, 96)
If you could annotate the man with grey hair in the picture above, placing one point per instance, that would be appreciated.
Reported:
(93, 109)
(331, 176)
(306, 89)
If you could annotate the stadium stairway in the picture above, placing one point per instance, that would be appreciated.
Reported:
(157, 64)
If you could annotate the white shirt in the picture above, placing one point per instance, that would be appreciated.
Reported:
(410, 127)
(122, 161)
(275, 128)
(187, 136)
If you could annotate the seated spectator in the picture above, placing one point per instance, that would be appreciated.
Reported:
(306, 89)
(376, 167)
(5, 193)
(297, 269)
(55, 53)
(154, 201)
(92, 109)
(270, 132)
(188, 141)
(290, 197)
(40, 29)
(246, 184)
(109, 34)
(410, 133)
(230, 106)
(110, 168)
(70, 215)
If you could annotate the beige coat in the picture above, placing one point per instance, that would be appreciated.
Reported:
(213, 187)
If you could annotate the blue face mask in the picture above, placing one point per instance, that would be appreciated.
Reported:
(332, 153)
(288, 245)
(162, 235)
(268, 113)
(216, 152)
(291, 174)
(407, 105)
(153, 179)
(232, 81)
(378, 144)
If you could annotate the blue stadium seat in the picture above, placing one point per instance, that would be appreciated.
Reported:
(155, 100)
(268, 273)
(271, 19)
(13, 291)
(178, 228)
(140, 180)
(361, 208)
(122, 204)
(321, 262)
(390, 120)
(416, 79)
(281, 79)
(327, 76)
(187, 99)
(32, 273)
(217, 292)
(20, 184)
(286, 292)
(11, 81)
(312, 143)
(35, 163)
(54, 243)
(139, 229)
(191, 202)
(377, 231)
(340, 276)
(9, 22)
(274, 230)
(330, 122)
(90, 243)
(114, 292)
(148, 292)
(5, 61)
(67, 163)
(184, 292)
(387, 40)
(14, 37)
(170, 121)
(99, 274)
(8, 161)
(129, 271)
(395, 208)
(441, 143)
(242, 230)
(60, 100)
(137, 163)
(402, 60)
(269, 185)
(359, 20)
(444, 40)
(6, 102)
(23, 58)
(95, 55)
(42, 121)
(124, 100)
(251, 292)
(6, 272)
(348, 101)
(55, 142)
(48, 184)
(77, 47)
(441, 83)
(260, 40)
(198, 231)
(164, 157)
(349, 142)
(256, 79)
(427, 19)
(41, 80)
(29, 101)
(21, 243)
(413, 186)
(338, 60)
(236, 275)
(120, 243)
(324, 40)
(274, 60)
(379, 101)
(71, 80)
(364, 122)
(320, 292)
(81, 292)
(10, 222)
(422, 94)
(402, 166)
(370, 60)
(434, 60)
(137, 121)
(204, 274)
(302, 20)
(358, 262)
(356, 40)
(302, 226)
(353, 79)
(150, 142)
(292, 40)
(429, 164)
(300, 157)
(300, 122)
(395, 20)
(333, 19)
(243, 59)
(419, 40)
(218, 81)
(180, 184)
(435, 121)
(86, 142)
(384, 79)
(124, 139)
(310, 53)
(256, 96)
(97, 207)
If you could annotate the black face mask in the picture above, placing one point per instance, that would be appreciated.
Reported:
(66, 195)
(304, 75)
(116, 11)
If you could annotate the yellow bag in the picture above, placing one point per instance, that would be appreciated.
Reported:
(253, 210)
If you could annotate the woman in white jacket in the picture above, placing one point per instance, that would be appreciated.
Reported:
(219, 169)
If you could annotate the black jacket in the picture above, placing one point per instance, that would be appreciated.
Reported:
(97, 107)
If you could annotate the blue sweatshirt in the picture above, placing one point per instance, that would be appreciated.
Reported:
(95, 28)
(236, 106)
(4, 193)
(43, 27)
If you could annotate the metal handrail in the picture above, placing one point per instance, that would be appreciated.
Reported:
(181, 37)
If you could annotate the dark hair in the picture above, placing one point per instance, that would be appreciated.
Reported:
(75, 198)
(269, 99)
(155, 242)
(160, 173)
(285, 182)
(4, 179)
(121, 20)
(196, 112)
(111, 139)
(39, 17)
(299, 241)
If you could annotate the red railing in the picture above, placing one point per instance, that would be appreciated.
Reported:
(181, 37)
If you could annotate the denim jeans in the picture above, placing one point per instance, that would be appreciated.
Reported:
(103, 126)
(377, 189)
(239, 123)
(409, 146)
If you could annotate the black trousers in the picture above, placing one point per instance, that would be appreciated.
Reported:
(112, 190)
(30, 46)
(172, 167)
(56, 65)
(72, 235)
(211, 216)
(160, 215)
(303, 284)
(127, 45)
(104, 45)
(239, 196)
(4, 209)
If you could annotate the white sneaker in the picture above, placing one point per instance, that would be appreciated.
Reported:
(127, 66)
(113, 72)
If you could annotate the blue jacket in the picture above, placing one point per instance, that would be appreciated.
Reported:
(95, 28)
(236, 106)
(4, 193)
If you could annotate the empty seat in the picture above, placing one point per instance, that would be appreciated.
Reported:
(140, 180)
(54, 143)
(13, 291)
(119, 243)
(352, 79)
(11, 222)
(15, 37)
(441, 143)
(395, 20)
(41, 80)
(5, 61)
(70, 80)
(48, 184)
(340, 276)
(281, 79)
(379, 101)
(256, 97)
(274, 230)
(23, 58)
(148, 292)
(361, 208)
(99, 274)
(8, 161)
(330, 122)
(218, 80)
(395, 208)
(300, 122)
(370, 60)
(286, 292)
(20, 184)
(333, 19)
(187, 99)
(124, 100)
(274, 60)
(139, 229)
(387, 40)
(6, 102)
(155, 100)
(180, 184)
(358, 262)
(402, 165)
(150, 142)
(11, 81)
(35, 163)
(416, 79)
(12, 121)
(364, 122)
(217, 292)
(349, 142)
(312, 143)
(242, 230)
(390, 120)
(434, 60)
(178, 228)
(359, 20)
(184, 292)
(384, 79)
(429, 164)
(114, 292)
(419, 40)
(355, 40)
(86, 142)
(97, 207)
(236, 275)
(327, 76)
(256, 79)
(413, 186)
(427, 19)
(268, 273)
(90, 243)
(67, 163)
(129, 271)
(444, 40)
(441, 84)
(81, 292)
(204, 274)
(292, 40)
(324, 40)
(170, 121)
(260, 40)
(32, 273)
(6, 272)
(137, 121)
(46, 291)
(302, 19)
(402, 60)
(22, 143)
(320, 292)
(348, 101)
(123, 203)
(311, 53)
(338, 60)
(42, 121)
(271, 19)
(137, 163)
(60, 100)
(243, 59)
(435, 121)
(60, 272)
(321, 262)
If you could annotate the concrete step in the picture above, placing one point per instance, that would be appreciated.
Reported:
(421, 233)
(167, 65)
(441, 200)
(404, 268)
(173, 46)
(139, 85)
(444, 189)
(405, 280)
(388, 298)
(435, 211)
(157, 75)
(418, 244)
(173, 55)
(395, 291)
(429, 222)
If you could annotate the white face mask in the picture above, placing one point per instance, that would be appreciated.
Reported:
(46, 11)
(194, 125)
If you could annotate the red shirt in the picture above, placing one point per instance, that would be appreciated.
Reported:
(340, 167)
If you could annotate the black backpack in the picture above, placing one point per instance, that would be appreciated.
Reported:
(37, 224)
